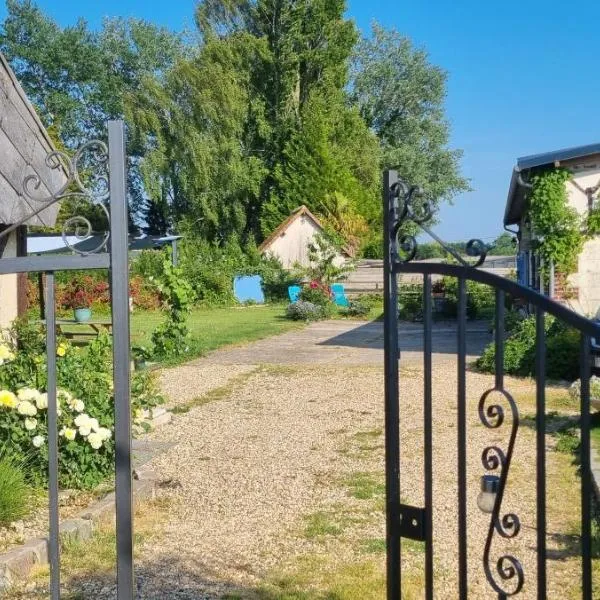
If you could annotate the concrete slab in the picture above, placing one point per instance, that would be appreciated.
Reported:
(350, 343)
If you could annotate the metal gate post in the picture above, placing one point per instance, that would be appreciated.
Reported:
(392, 410)
(119, 281)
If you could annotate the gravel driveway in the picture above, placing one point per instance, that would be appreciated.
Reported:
(285, 446)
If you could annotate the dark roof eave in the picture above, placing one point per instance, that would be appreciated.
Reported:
(517, 193)
(515, 202)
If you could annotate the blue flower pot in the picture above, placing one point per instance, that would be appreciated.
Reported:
(82, 314)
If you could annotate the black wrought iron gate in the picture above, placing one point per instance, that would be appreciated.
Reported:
(504, 573)
(106, 189)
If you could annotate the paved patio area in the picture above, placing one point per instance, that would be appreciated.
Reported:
(350, 343)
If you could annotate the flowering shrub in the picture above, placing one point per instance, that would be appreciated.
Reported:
(85, 403)
(316, 293)
(85, 447)
(85, 291)
(304, 311)
(82, 292)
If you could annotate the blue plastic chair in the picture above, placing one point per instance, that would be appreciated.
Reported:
(339, 296)
(294, 293)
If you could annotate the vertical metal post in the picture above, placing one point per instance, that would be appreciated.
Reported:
(119, 282)
(499, 339)
(427, 436)
(552, 281)
(462, 440)
(174, 257)
(54, 540)
(392, 410)
(540, 427)
(586, 473)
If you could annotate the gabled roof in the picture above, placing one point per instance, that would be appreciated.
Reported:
(517, 194)
(284, 226)
(24, 146)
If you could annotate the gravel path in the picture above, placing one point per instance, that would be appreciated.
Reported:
(247, 470)
(250, 467)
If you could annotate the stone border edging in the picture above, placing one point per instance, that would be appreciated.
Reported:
(16, 563)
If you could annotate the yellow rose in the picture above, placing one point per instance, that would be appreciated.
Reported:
(8, 399)
(61, 350)
(68, 433)
(5, 354)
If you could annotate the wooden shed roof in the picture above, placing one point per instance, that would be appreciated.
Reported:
(24, 146)
(301, 211)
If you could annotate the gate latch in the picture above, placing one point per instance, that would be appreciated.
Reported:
(411, 520)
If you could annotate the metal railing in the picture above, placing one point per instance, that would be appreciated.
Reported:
(505, 575)
(108, 191)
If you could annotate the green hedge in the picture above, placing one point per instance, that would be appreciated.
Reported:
(562, 351)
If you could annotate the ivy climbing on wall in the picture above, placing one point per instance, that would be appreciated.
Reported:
(556, 226)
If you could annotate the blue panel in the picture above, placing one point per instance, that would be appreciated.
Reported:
(248, 288)
(339, 295)
(294, 293)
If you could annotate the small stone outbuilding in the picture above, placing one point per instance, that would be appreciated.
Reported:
(291, 239)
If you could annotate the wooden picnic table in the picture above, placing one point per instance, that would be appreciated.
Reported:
(97, 326)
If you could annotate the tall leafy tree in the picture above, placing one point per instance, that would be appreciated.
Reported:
(78, 79)
(401, 97)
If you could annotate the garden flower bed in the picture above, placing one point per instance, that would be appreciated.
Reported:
(85, 425)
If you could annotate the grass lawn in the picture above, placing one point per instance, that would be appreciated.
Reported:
(212, 328)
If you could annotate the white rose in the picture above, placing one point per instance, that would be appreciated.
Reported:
(94, 425)
(82, 420)
(42, 401)
(105, 433)
(95, 440)
(85, 430)
(30, 424)
(63, 394)
(28, 394)
(38, 440)
(78, 406)
(26, 408)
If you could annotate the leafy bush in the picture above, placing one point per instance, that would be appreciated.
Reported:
(14, 491)
(170, 338)
(316, 293)
(304, 311)
(479, 298)
(358, 309)
(86, 290)
(86, 419)
(148, 264)
(410, 301)
(275, 279)
(562, 351)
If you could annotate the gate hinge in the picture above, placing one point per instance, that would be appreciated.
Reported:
(411, 521)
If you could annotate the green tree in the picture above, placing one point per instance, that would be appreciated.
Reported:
(503, 245)
(78, 79)
(401, 96)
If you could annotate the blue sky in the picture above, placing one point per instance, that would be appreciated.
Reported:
(522, 79)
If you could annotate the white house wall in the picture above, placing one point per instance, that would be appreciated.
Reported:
(291, 246)
(8, 286)
(586, 173)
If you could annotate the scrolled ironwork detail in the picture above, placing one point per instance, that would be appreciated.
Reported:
(412, 205)
(508, 569)
(92, 159)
